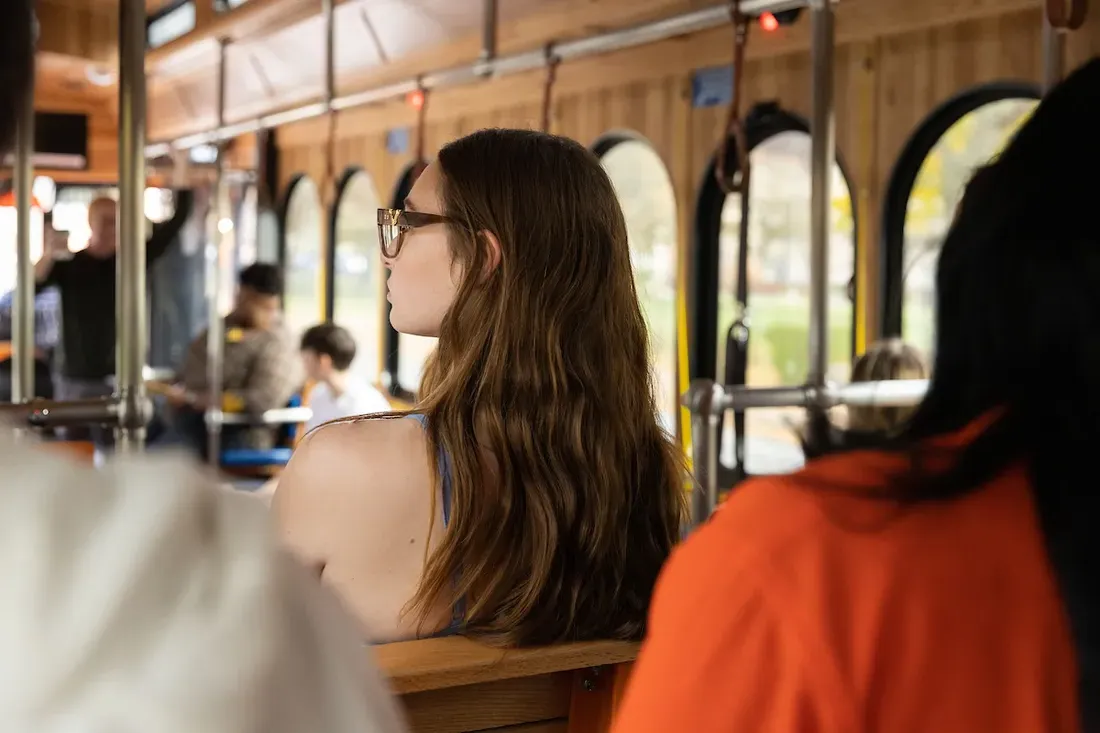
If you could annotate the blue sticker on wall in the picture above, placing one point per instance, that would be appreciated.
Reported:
(712, 87)
(397, 141)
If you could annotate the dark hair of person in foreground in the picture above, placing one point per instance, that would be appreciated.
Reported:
(1018, 340)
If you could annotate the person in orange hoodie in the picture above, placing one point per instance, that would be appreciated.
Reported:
(942, 579)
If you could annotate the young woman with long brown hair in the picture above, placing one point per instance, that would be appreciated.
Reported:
(535, 496)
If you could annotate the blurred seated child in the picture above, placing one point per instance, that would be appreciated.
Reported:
(328, 351)
(885, 360)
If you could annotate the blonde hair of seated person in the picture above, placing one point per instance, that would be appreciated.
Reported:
(885, 360)
(141, 598)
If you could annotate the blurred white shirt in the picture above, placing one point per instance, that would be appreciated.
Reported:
(357, 399)
(143, 598)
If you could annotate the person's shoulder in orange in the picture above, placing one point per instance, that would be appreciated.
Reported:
(808, 604)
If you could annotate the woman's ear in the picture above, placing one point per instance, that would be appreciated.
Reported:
(493, 252)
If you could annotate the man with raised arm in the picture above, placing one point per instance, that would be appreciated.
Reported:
(86, 283)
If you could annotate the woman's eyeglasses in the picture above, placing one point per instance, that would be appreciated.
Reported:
(394, 223)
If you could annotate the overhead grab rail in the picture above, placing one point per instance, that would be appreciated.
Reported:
(692, 22)
(1066, 19)
(737, 181)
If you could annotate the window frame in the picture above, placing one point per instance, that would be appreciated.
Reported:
(903, 179)
(765, 121)
(603, 145)
(391, 379)
(284, 211)
(706, 240)
(342, 185)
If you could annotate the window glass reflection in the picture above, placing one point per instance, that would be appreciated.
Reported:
(302, 263)
(969, 143)
(358, 269)
(649, 206)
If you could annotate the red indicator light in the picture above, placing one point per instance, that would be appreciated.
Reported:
(415, 99)
(768, 22)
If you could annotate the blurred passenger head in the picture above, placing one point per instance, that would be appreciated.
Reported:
(327, 349)
(103, 222)
(17, 36)
(259, 295)
(523, 271)
(1018, 340)
(885, 360)
(141, 597)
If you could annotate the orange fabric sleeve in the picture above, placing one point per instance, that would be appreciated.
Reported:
(719, 657)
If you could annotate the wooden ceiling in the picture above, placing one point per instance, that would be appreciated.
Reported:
(286, 66)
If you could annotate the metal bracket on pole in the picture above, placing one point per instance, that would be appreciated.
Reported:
(705, 399)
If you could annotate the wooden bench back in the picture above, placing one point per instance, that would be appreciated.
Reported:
(454, 685)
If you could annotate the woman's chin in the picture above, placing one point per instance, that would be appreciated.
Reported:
(413, 329)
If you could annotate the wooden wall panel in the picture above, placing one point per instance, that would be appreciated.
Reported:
(85, 30)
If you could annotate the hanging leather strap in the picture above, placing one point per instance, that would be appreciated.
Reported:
(552, 62)
(737, 181)
(421, 160)
(729, 181)
(1066, 18)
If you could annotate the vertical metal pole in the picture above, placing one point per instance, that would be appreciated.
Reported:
(703, 396)
(215, 334)
(1054, 42)
(822, 154)
(330, 52)
(489, 31)
(130, 295)
(22, 387)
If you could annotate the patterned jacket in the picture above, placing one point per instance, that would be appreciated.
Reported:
(260, 369)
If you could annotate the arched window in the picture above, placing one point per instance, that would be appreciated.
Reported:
(356, 270)
(778, 277)
(924, 190)
(408, 353)
(302, 256)
(649, 205)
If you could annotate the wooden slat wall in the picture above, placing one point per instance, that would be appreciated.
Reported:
(647, 91)
(81, 29)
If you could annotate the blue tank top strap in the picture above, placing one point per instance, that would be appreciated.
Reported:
(445, 471)
(445, 474)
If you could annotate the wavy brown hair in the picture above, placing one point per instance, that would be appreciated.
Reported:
(567, 493)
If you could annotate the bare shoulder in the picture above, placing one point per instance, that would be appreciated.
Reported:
(345, 472)
(352, 452)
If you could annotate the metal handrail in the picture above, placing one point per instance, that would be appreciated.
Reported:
(709, 401)
(691, 22)
(281, 416)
